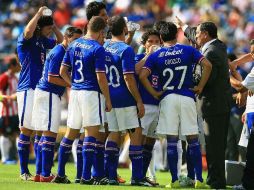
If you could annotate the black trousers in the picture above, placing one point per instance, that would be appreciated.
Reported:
(248, 175)
(216, 129)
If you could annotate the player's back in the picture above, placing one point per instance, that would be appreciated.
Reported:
(86, 57)
(119, 61)
(174, 65)
(32, 54)
(52, 67)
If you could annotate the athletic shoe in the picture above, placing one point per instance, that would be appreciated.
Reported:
(200, 185)
(174, 185)
(153, 179)
(77, 181)
(48, 179)
(142, 182)
(36, 178)
(120, 179)
(186, 181)
(26, 177)
(147, 179)
(113, 182)
(100, 181)
(86, 182)
(238, 187)
(59, 179)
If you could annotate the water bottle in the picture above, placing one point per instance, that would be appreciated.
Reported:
(47, 12)
(132, 26)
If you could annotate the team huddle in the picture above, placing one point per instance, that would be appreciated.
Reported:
(113, 91)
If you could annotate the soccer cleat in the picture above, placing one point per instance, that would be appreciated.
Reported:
(113, 182)
(199, 185)
(238, 187)
(153, 184)
(48, 179)
(59, 179)
(87, 182)
(100, 181)
(142, 182)
(36, 178)
(186, 181)
(77, 181)
(174, 185)
(120, 179)
(26, 177)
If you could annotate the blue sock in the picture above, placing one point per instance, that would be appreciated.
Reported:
(196, 157)
(98, 164)
(23, 151)
(36, 142)
(88, 156)
(190, 167)
(147, 156)
(135, 154)
(63, 155)
(172, 157)
(79, 159)
(111, 160)
(38, 161)
(48, 146)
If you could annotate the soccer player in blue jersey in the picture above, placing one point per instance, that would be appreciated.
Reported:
(47, 104)
(126, 101)
(173, 62)
(89, 87)
(31, 48)
(151, 41)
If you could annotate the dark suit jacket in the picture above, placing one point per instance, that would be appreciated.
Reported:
(216, 96)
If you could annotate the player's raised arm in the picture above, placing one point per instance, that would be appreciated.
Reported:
(31, 26)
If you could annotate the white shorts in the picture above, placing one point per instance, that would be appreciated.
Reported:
(121, 119)
(177, 113)
(85, 109)
(25, 108)
(46, 111)
(150, 121)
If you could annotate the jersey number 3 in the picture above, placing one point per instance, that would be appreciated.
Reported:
(79, 70)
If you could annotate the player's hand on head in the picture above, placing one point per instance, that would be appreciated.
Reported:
(41, 9)
(197, 89)
(141, 109)
(108, 106)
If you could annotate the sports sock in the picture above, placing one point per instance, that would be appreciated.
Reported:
(111, 159)
(63, 155)
(23, 151)
(47, 155)
(172, 157)
(88, 156)
(135, 154)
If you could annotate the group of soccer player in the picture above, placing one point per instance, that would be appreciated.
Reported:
(113, 91)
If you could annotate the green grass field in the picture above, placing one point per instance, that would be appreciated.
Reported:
(9, 180)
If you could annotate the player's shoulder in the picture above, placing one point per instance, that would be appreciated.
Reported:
(140, 56)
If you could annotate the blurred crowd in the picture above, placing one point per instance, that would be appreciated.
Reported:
(235, 18)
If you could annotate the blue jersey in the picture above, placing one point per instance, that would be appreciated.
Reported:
(119, 61)
(51, 68)
(153, 78)
(32, 54)
(85, 57)
(174, 66)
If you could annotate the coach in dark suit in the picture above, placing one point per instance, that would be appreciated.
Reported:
(215, 101)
